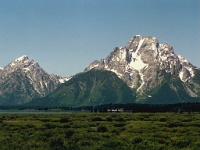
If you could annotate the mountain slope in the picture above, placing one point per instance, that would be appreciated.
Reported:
(171, 90)
(143, 64)
(94, 87)
(22, 80)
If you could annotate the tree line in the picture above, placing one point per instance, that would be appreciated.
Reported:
(129, 107)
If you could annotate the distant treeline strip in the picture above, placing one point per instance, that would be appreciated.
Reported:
(179, 107)
(130, 107)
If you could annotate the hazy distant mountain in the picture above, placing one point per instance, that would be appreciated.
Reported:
(23, 79)
(152, 70)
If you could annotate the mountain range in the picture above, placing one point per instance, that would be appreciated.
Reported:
(143, 71)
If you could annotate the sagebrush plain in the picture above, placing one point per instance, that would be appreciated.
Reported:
(100, 131)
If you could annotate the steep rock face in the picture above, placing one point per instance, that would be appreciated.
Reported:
(141, 64)
(22, 80)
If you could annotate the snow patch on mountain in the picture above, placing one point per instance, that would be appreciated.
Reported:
(142, 79)
(187, 69)
(116, 72)
(137, 63)
(181, 73)
(63, 80)
(139, 45)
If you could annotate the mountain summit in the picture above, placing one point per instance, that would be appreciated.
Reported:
(23, 79)
(145, 65)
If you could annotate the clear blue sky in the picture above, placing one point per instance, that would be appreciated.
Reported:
(65, 36)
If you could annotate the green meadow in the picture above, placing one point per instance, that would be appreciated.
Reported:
(100, 131)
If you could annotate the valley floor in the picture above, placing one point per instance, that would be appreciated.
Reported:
(100, 131)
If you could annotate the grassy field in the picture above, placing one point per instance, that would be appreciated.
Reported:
(100, 131)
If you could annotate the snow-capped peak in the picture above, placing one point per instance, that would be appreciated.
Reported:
(32, 78)
(1, 68)
(137, 63)
(21, 58)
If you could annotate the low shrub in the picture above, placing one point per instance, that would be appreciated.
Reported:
(66, 126)
(64, 120)
(120, 124)
(45, 120)
(174, 124)
(29, 126)
(102, 129)
(162, 119)
(109, 119)
(69, 133)
(137, 140)
(97, 119)
(56, 143)
(120, 119)
(50, 125)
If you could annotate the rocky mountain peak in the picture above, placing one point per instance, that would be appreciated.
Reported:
(22, 63)
(26, 76)
(139, 40)
(20, 60)
(30, 68)
(140, 63)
